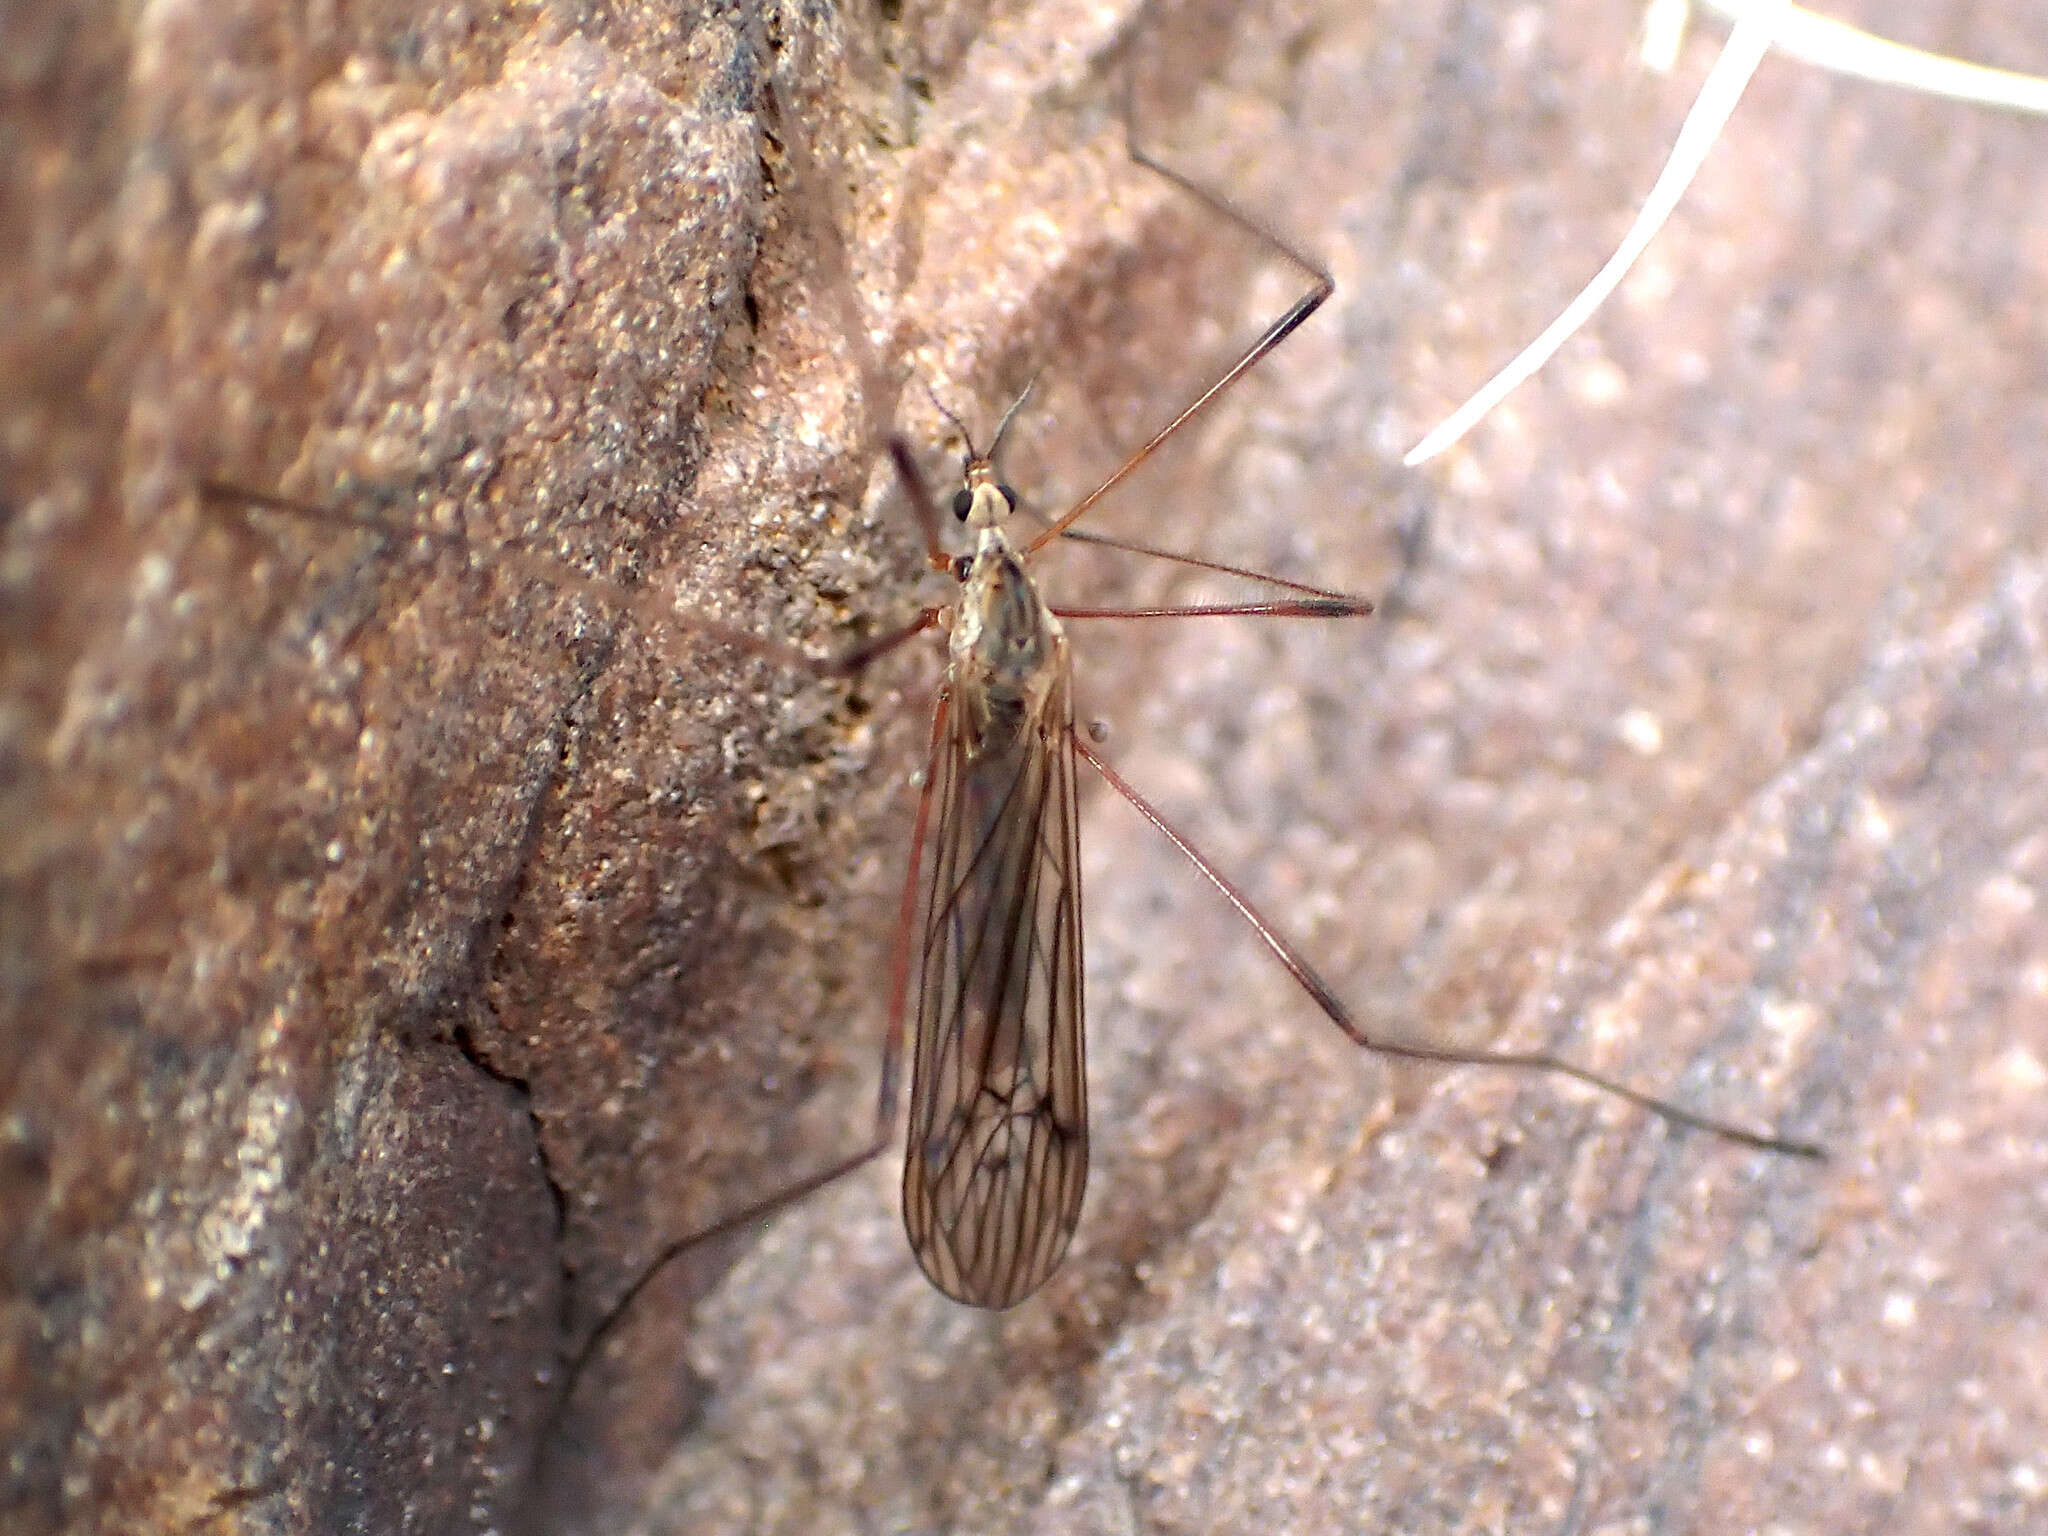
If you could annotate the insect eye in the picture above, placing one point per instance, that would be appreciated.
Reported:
(1009, 496)
(962, 500)
(961, 566)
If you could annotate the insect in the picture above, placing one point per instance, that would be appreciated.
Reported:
(996, 1152)
(989, 933)
(986, 976)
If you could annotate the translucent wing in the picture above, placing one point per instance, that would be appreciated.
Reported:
(997, 1151)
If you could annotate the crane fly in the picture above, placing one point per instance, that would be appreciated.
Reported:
(996, 1142)
(996, 1150)
(996, 1153)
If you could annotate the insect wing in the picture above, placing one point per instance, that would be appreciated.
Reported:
(997, 1151)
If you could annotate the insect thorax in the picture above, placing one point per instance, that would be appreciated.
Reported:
(1007, 647)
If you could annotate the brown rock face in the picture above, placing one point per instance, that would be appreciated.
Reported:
(405, 934)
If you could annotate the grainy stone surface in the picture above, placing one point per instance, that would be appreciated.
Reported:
(369, 897)
(401, 943)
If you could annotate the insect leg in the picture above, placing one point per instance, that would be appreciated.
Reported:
(1323, 285)
(884, 1130)
(650, 606)
(1333, 1009)
(1196, 562)
(1307, 608)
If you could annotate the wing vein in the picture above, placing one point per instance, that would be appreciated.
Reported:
(996, 1156)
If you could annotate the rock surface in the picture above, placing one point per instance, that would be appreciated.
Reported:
(405, 936)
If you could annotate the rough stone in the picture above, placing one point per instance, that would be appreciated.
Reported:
(406, 935)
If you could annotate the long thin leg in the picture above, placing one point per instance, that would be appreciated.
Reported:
(1311, 608)
(921, 502)
(819, 206)
(1152, 552)
(222, 494)
(863, 655)
(647, 605)
(1277, 332)
(886, 1094)
(1320, 993)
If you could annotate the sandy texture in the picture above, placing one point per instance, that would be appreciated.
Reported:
(405, 937)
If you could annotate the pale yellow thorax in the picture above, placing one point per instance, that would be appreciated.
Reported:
(1008, 650)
